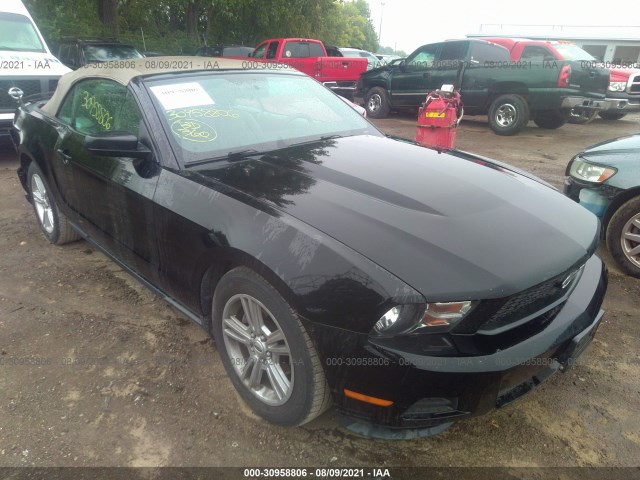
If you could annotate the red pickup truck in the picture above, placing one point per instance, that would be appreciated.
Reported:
(340, 74)
(624, 84)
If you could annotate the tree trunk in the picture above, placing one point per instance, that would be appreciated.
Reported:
(108, 14)
(193, 11)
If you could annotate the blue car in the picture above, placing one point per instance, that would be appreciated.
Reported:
(605, 179)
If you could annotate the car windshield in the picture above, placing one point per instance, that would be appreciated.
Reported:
(17, 33)
(212, 115)
(573, 52)
(104, 53)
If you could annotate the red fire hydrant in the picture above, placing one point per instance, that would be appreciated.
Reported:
(438, 119)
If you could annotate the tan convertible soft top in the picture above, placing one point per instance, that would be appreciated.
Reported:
(150, 66)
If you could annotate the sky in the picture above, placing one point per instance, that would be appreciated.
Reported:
(411, 23)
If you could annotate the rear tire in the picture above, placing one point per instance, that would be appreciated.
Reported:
(377, 103)
(266, 351)
(508, 114)
(612, 115)
(551, 119)
(53, 223)
(623, 237)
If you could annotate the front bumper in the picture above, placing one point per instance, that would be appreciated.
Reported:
(599, 195)
(430, 392)
(633, 101)
(593, 104)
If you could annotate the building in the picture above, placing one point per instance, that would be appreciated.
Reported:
(614, 44)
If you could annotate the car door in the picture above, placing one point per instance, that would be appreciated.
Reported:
(412, 81)
(448, 64)
(111, 195)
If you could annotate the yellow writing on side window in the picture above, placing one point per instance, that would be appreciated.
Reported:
(193, 131)
(96, 110)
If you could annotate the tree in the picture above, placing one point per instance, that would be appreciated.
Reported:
(108, 14)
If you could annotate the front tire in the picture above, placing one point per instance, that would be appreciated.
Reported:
(612, 115)
(377, 103)
(508, 114)
(53, 223)
(266, 351)
(623, 237)
(582, 117)
(551, 119)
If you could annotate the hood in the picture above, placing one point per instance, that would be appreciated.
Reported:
(452, 227)
(622, 74)
(31, 64)
(611, 152)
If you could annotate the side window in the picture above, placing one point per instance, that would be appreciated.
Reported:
(482, 52)
(453, 51)
(423, 58)
(259, 52)
(273, 49)
(536, 54)
(98, 106)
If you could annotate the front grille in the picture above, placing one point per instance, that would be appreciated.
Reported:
(29, 87)
(498, 313)
(634, 85)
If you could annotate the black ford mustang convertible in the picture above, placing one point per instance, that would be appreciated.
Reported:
(329, 262)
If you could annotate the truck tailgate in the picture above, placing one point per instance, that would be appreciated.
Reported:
(340, 69)
(590, 80)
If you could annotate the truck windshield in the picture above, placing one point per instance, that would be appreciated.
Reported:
(17, 33)
(104, 53)
(213, 115)
(573, 52)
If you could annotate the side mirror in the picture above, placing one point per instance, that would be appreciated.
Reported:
(116, 144)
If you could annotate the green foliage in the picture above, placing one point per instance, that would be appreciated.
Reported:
(391, 51)
(181, 26)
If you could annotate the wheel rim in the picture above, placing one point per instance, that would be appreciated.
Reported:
(42, 204)
(631, 240)
(506, 115)
(258, 349)
(375, 102)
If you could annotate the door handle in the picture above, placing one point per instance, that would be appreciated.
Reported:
(64, 155)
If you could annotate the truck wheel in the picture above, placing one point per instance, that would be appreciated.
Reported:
(377, 103)
(612, 115)
(508, 114)
(581, 116)
(623, 237)
(551, 119)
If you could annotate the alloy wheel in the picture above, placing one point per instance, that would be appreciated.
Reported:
(42, 204)
(630, 240)
(258, 349)
(505, 115)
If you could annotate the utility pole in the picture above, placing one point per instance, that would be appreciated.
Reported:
(380, 29)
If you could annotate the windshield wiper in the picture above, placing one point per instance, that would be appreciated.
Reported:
(231, 157)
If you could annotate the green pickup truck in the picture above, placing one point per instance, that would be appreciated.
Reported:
(509, 92)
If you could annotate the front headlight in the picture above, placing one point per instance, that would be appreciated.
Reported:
(590, 172)
(436, 317)
(618, 86)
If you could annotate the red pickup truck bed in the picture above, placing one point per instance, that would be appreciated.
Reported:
(310, 56)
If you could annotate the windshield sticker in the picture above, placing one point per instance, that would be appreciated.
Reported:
(182, 95)
(193, 131)
(96, 110)
(201, 112)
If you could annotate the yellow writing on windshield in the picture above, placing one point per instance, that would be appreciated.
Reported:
(193, 130)
(201, 112)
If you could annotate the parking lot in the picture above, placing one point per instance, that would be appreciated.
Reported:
(96, 371)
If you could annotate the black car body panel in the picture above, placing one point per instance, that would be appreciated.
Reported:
(345, 229)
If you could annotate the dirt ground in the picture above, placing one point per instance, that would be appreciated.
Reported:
(96, 371)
